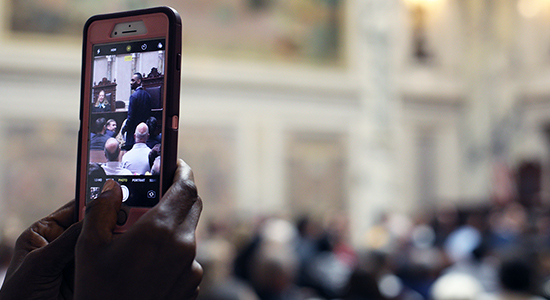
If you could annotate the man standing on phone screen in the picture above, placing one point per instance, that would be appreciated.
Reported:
(139, 109)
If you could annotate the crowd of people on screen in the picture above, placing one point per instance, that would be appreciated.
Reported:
(135, 150)
(142, 158)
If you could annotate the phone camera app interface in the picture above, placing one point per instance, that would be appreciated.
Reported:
(126, 115)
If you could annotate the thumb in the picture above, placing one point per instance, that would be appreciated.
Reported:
(101, 215)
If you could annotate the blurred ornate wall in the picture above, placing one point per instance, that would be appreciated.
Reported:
(291, 107)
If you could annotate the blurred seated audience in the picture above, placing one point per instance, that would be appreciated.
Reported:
(216, 257)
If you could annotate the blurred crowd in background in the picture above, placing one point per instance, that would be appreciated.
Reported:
(485, 252)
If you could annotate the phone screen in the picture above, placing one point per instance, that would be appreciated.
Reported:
(125, 119)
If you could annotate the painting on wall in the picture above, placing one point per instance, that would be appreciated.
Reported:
(308, 31)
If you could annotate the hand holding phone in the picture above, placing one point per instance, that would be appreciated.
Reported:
(154, 259)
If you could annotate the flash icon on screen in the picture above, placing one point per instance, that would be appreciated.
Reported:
(128, 48)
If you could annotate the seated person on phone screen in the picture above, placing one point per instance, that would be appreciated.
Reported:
(102, 103)
(154, 135)
(111, 128)
(137, 159)
(112, 152)
(99, 138)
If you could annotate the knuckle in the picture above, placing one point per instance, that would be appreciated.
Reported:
(197, 271)
(24, 238)
(188, 188)
(186, 249)
(159, 230)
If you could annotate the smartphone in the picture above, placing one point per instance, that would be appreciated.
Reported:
(130, 86)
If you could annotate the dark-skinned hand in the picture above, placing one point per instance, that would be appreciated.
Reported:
(42, 265)
(154, 259)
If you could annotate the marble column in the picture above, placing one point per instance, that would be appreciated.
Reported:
(489, 109)
(373, 187)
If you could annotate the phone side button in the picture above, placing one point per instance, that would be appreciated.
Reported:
(175, 122)
(178, 62)
(121, 217)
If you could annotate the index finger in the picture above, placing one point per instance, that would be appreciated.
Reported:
(175, 205)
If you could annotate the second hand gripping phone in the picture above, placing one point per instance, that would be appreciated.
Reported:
(129, 116)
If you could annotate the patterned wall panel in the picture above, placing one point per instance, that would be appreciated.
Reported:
(305, 30)
(210, 151)
(316, 173)
(39, 159)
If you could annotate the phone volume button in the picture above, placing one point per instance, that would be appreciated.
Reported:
(175, 122)
(178, 62)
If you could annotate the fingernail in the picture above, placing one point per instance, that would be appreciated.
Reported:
(109, 185)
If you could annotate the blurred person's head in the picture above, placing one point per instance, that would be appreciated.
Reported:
(100, 97)
(339, 227)
(447, 217)
(456, 286)
(373, 261)
(477, 219)
(274, 268)
(112, 149)
(516, 275)
(514, 218)
(99, 125)
(362, 285)
(153, 154)
(216, 257)
(111, 125)
(135, 82)
(461, 243)
(152, 123)
(155, 168)
(142, 133)
(309, 227)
